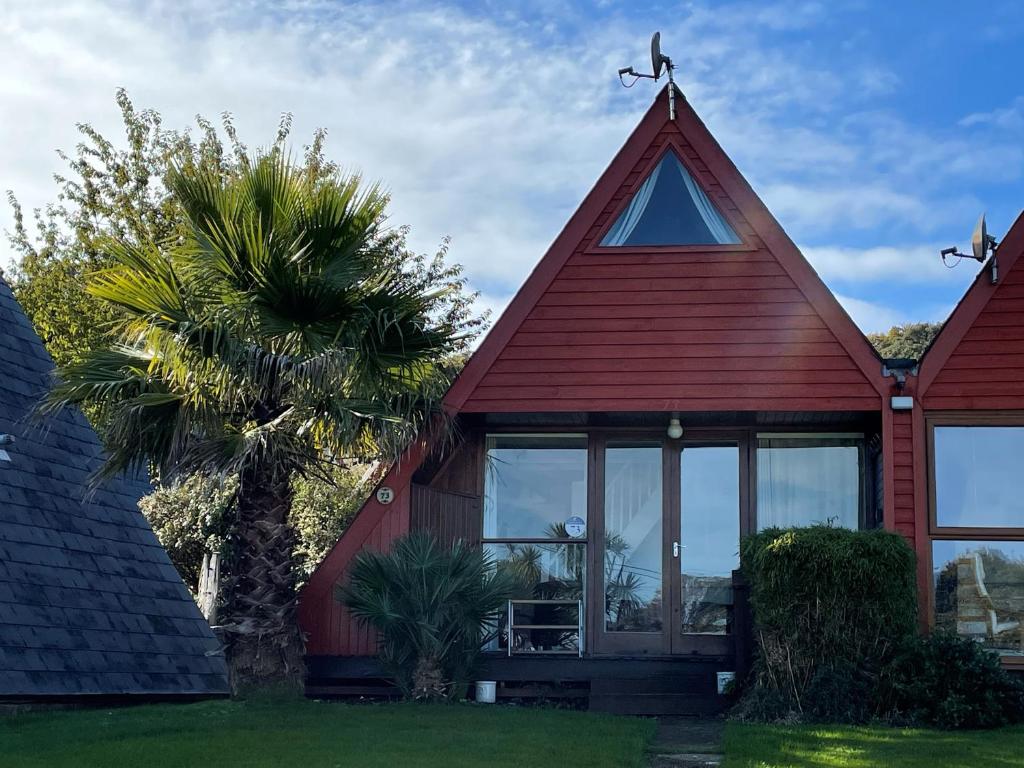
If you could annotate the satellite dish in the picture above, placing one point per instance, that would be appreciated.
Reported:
(659, 63)
(657, 60)
(979, 240)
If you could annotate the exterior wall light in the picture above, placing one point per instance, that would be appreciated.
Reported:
(675, 429)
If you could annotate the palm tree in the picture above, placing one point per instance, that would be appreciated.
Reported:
(278, 333)
(433, 607)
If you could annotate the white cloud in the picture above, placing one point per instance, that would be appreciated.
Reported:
(491, 128)
(870, 317)
(909, 265)
(1009, 118)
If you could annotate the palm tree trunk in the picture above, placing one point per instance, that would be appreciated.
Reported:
(428, 679)
(262, 638)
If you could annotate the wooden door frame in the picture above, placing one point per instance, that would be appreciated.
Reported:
(705, 644)
(621, 643)
(671, 639)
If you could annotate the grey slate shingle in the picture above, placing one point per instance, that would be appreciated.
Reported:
(89, 601)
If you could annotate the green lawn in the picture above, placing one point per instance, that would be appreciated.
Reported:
(756, 746)
(312, 734)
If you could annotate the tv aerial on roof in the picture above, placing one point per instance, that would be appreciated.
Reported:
(659, 63)
(982, 245)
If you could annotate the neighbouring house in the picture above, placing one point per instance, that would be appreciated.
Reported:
(91, 608)
(672, 376)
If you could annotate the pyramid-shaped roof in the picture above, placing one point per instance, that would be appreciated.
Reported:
(731, 319)
(90, 604)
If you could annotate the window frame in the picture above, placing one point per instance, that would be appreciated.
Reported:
(863, 523)
(671, 145)
(1006, 659)
(964, 419)
(584, 541)
(536, 539)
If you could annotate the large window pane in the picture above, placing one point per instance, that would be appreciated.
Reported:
(978, 478)
(710, 528)
(632, 537)
(552, 579)
(979, 592)
(533, 485)
(803, 481)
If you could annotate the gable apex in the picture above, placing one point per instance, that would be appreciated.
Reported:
(975, 301)
(708, 301)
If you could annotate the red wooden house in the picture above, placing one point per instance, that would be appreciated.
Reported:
(673, 375)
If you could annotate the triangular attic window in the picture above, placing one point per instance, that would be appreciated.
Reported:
(670, 208)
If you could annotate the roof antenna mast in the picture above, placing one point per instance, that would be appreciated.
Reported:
(659, 62)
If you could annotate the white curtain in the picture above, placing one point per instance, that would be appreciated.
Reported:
(719, 228)
(804, 485)
(628, 219)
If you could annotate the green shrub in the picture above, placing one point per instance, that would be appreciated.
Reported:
(191, 517)
(947, 681)
(432, 606)
(195, 515)
(322, 509)
(830, 607)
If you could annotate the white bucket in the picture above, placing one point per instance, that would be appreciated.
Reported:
(725, 679)
(486, 691)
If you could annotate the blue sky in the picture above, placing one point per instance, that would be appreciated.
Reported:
(876, 132)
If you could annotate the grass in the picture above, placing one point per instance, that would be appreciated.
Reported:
(297, 732)
(758, 746)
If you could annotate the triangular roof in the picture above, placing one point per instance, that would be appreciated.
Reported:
(767, 259)
(90, 604)
(977, 307)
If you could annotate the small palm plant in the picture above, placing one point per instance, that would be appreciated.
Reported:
(434, 608)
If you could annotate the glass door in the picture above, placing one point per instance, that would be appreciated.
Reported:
(705, 546)
(634, 583)
(666, 520)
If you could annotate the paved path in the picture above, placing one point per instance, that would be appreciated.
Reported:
(687, 742)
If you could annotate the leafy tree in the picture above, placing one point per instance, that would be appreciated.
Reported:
(909, 340)
(278, 327)
(107, 192)
(194, 516)
(322, 510)
(119, 190)
(191, 517)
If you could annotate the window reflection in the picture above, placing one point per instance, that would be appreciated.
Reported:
(552, 577)
(632, 539)
(976, 469)
(710, 528)
(532, 483)
(979, 592)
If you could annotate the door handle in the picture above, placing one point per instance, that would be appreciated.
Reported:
(675, 549)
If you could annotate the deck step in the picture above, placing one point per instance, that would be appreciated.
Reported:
(657, 704)
(657, 695)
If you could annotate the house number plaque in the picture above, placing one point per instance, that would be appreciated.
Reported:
(385, 495)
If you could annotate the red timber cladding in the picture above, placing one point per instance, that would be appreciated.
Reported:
(328, 628)
(986, 369)
(904, 520)
(976, 363)
(691, 331)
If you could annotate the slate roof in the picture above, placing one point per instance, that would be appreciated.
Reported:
(89, 601)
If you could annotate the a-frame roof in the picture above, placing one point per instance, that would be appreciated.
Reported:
(1001, 337)
(90, 604)
(748, 327)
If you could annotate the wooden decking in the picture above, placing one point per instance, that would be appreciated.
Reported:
(622, 685)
